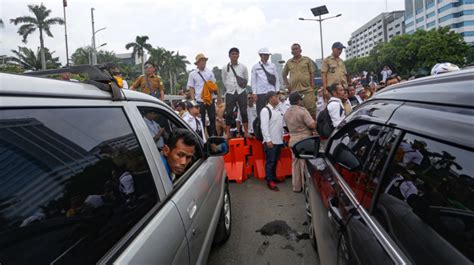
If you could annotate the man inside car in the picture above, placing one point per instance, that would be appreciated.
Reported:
(178, 152)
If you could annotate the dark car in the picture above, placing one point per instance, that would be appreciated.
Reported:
(395, 183)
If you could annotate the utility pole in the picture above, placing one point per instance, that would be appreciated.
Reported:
(65, 32)
(94, 55)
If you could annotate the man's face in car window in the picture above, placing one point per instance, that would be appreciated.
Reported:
(179, 157)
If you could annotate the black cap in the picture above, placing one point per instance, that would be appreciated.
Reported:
(295, 97)
(234, 50)
(338, 45)
(272, 93)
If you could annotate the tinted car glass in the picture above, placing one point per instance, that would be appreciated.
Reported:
(426, 201)
(73, 182)
(359, 154)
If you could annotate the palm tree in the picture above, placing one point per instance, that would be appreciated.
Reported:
(1, 23)
(30, 60)
(39, 21)
(139, 47)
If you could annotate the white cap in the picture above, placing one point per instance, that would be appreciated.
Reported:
(264, 51)
(440, 68)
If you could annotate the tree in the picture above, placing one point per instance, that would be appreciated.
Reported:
(41, 22)
(170, 65)
(29, 60)
(139, 47)
(82, 55)
(220, 83)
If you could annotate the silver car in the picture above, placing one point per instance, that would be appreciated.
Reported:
(83, 180)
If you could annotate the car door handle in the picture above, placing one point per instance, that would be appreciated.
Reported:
(334, 213)
(192, 208)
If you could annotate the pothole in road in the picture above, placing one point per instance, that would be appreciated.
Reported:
(279, 227)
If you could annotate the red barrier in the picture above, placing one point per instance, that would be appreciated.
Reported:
(235, 160)
(257, 158)
(284, 162)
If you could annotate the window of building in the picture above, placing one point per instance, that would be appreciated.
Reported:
(431, 24)
(418, 20)
(425, 201)
(409, 24)
(430, 4)
(467, 34)
(432, 14)
(74, 182)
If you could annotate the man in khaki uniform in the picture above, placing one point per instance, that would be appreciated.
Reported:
(333, 69)
(150, 83)
(300, 125)
(301, 70)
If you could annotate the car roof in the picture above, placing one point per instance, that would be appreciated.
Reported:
(30, 86)
(455, 88)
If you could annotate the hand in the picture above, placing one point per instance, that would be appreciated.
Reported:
(269, 145)
(246, 135)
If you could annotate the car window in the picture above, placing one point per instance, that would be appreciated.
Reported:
(73, 182)
(426, 201)
(358, 154)
(161, 124)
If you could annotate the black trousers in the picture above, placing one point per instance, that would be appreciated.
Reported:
(261, 102)
(271, 158)
(235, 99)
(211, 112)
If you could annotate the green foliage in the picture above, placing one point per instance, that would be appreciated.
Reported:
(27, 59)
(41, 22)
(82, 56)
(11, 68)
(410, 54)
(220, 83)
(171, 67)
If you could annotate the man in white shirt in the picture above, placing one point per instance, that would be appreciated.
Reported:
(156, 131)
(272, 131)
(335, 106)
(386, 72)
(196, 83)
(192, 118)
(264, 78)
(235, 91)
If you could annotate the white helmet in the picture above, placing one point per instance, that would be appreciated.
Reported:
(441, 68)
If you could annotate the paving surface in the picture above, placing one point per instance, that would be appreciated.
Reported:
(268, 227)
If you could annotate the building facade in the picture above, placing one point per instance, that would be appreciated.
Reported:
(380, 29)
(432, 14)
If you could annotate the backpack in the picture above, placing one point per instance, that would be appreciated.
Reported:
(324, 122)
(257, 130)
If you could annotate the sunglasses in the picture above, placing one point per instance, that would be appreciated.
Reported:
(148, 66)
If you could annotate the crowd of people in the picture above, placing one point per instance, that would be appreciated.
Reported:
(263, 108)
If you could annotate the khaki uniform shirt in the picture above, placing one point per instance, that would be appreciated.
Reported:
(300, 73)
(297, 120)
(153, 86)
(335, 71)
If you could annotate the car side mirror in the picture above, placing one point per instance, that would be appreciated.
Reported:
(345, 157)
(217, 146)
(307, 148)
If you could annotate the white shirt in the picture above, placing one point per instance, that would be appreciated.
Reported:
(252, 115)
(229, 79)
(194, 122)
(195, 81)
(334, 108)
(272, 129)
(154, 129)
(124, 84)
(259, 81)
(410, 155)
(385, 74)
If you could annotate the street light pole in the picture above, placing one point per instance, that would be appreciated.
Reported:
(65, 32)
(94, 56)
(320, 20)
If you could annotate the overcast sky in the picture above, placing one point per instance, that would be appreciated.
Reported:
(194, 26)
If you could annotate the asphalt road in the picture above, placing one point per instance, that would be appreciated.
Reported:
(281, 220)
